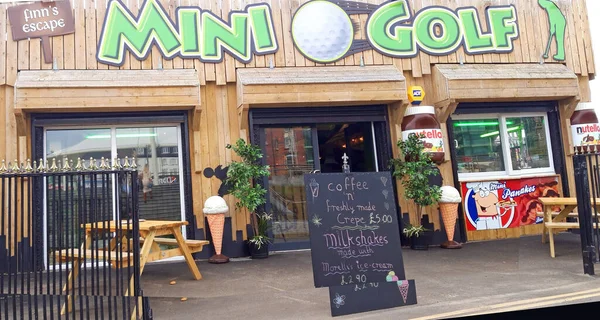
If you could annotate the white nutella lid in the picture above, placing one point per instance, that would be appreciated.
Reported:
(411, 111)
(585, 106)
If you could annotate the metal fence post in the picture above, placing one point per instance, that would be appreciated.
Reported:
(584, 208)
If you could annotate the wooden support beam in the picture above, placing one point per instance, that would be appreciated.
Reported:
(21, 119)
(566, 110)
(196, 116)
(569, 106)
(397, 111)
(444, 109)
(243, 110)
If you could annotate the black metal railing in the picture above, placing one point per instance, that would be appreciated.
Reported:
(586, 162)
(69, 241)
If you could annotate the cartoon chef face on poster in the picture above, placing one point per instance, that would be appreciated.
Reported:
(483, 208)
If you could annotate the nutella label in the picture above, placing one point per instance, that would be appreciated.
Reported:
(585, 134)
(433, 140)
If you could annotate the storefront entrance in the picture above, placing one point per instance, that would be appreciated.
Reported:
(292, 150)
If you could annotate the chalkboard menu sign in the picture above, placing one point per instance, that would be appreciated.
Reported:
(355, 239)
(371, 296)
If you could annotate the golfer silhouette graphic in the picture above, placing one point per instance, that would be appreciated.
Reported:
(558, 25)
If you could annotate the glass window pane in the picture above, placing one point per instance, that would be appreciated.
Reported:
(73, 201)
(78, 143)
(479, 147)
(289, 154)
(528, 143)
(156, 151)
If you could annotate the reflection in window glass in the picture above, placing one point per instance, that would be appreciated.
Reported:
(78, 143)
(157, 155)
(289, 154)
(479, 147)
(94, 193)
(528, 143)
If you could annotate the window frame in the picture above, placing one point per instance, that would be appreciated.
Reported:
(114, 154)
(509, 171)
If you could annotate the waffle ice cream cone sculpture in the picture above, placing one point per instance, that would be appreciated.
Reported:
(215, 208)
(449, 209)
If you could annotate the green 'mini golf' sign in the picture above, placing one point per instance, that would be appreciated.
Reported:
(322, 30)
(198, 33)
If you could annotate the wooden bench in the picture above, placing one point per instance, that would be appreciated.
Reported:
(554, 221)
(114, 257)
(555, 214)
(194, 246)
(150, 231)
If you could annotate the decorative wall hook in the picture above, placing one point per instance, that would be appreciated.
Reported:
(3, 167)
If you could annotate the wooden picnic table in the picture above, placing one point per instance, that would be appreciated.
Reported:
(151, 233)
(557, 220)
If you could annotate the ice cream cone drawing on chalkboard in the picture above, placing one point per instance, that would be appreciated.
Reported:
(403, 285)
(384, 180)
(314, 189)
(391, 277)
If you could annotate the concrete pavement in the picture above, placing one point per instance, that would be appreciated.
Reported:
(496, 276)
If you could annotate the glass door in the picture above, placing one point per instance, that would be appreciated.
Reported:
(290, 152)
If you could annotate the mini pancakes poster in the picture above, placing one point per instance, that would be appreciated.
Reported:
(504, 204)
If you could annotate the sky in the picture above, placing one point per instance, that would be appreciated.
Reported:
(594, 6)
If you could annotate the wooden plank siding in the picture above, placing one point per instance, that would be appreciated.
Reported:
(219, 122)
(80, 48)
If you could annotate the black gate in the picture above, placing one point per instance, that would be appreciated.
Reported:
(69, 241)
(587, 181)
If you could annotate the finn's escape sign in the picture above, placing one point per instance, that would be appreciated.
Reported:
(42, 20)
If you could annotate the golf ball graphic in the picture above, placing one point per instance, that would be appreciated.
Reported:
(322, 31)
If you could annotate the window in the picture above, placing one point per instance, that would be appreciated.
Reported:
(155, 148)
(502, 145)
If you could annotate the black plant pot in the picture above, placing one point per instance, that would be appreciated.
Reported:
(256, 253)
(421, 242)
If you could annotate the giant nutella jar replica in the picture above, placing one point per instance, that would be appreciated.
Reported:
(585, 129)
(421, 120)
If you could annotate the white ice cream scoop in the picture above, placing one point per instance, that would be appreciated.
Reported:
(215, 205)
(450, 195)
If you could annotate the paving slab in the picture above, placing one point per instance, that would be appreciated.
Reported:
(481, 274)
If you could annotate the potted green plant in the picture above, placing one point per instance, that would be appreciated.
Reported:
(241, 178)
(413, 169)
